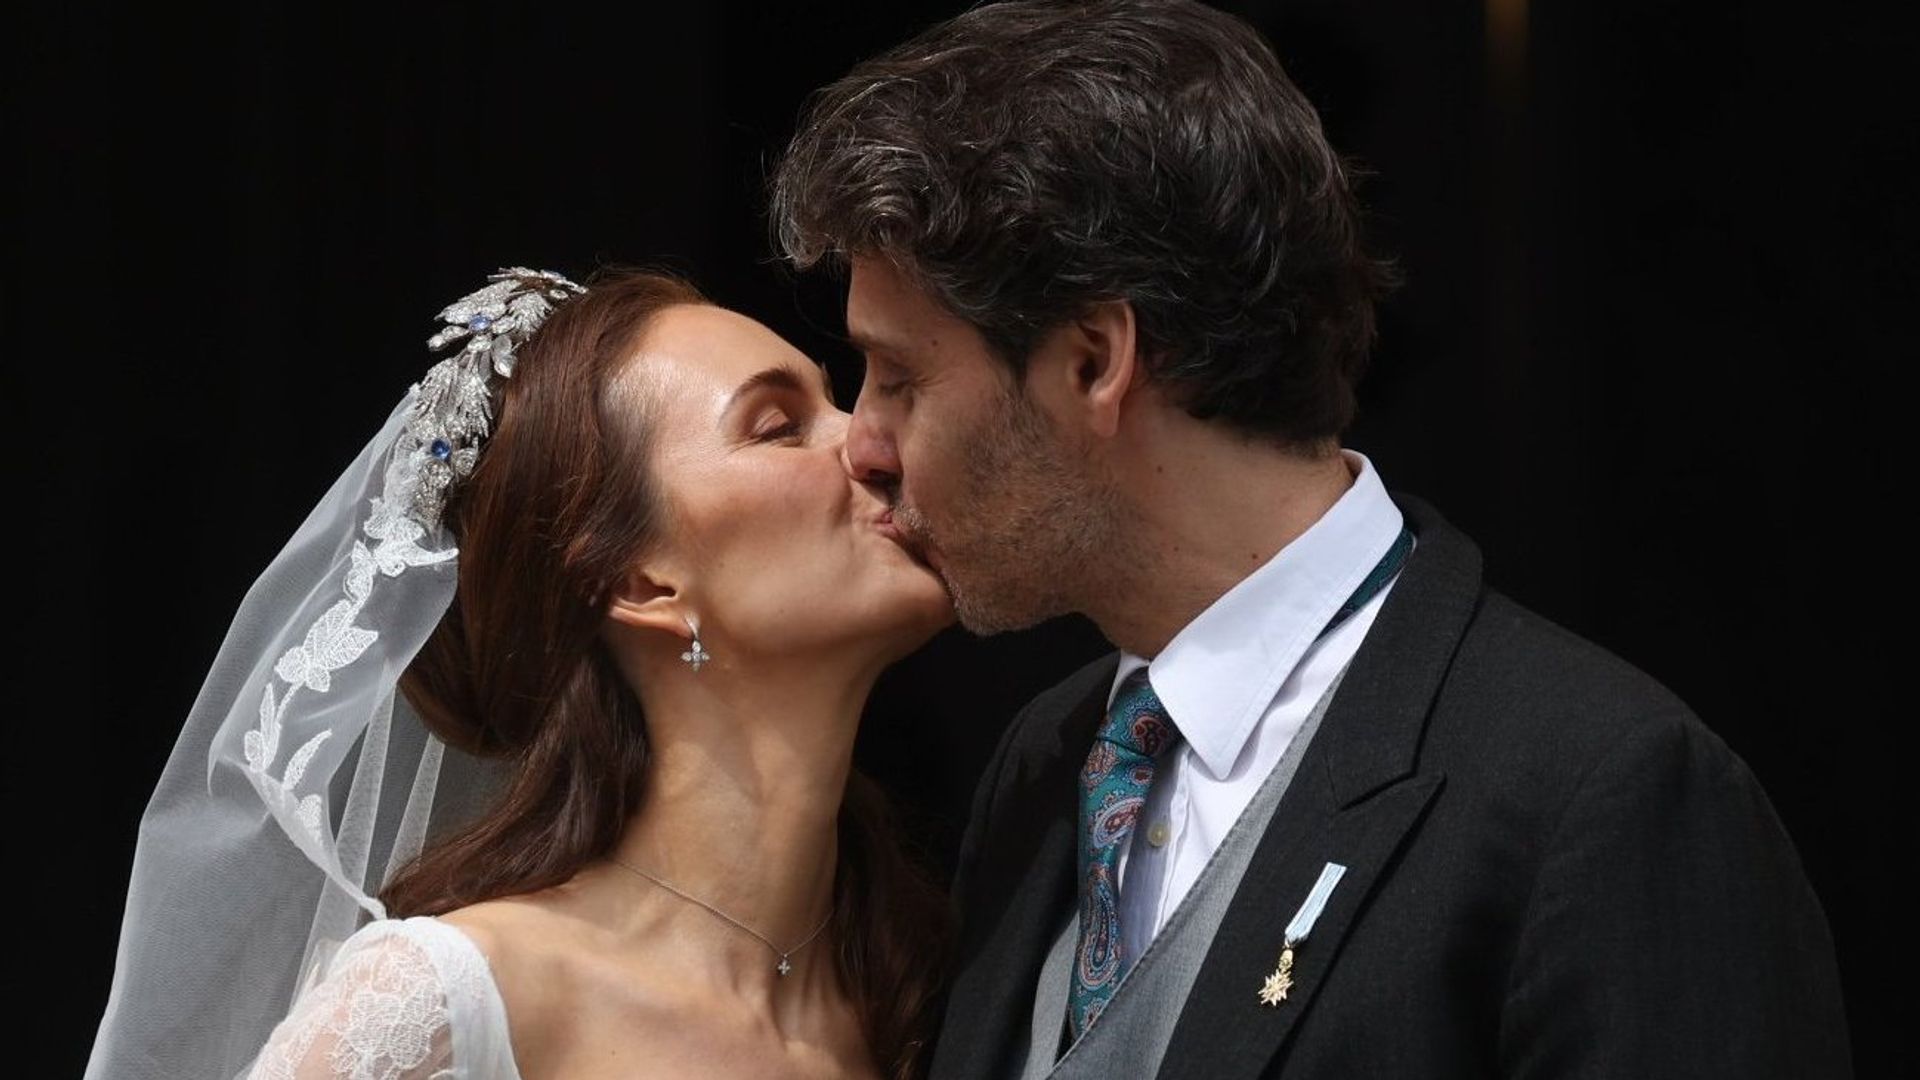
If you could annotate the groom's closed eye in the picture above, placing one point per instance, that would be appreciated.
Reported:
(886, 377)
(889, 382)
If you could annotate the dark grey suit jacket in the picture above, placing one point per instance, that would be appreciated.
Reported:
(1554, 870)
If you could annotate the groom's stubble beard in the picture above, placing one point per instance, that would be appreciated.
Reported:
(1029, 526)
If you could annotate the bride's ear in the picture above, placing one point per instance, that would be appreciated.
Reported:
(647, 603)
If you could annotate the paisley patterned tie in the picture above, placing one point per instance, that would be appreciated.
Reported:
(1113, 787)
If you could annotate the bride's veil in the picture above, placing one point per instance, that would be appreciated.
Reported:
(302, 778)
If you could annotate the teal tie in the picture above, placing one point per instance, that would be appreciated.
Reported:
(1113, 789)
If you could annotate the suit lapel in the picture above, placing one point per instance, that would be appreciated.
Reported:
(1356, 799)
(1225, 1032)
(1032, 864)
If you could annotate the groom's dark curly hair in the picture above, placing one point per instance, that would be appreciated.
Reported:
(1024, 160)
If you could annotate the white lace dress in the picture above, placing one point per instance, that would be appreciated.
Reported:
(408, 999)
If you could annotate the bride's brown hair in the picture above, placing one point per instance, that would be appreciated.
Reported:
(548, 525)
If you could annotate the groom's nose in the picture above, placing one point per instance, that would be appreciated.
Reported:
(869, 453)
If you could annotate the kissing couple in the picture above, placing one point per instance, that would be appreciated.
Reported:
(530, 755)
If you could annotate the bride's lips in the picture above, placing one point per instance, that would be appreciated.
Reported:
(891, 529)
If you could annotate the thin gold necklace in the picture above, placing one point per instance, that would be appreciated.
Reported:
(783, 967)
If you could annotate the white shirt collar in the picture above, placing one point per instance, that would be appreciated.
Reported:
(1221, 671)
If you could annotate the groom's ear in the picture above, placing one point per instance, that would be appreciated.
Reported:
(1098, 364)
(647, 603)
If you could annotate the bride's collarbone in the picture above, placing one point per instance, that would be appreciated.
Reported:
(648, 1026)
(692, 1045)
(577, 1008)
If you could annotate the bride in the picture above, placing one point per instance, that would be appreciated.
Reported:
(608, 545)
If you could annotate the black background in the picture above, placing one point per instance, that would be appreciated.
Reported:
(1659, 260)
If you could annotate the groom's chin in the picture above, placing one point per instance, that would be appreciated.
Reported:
(985, 616)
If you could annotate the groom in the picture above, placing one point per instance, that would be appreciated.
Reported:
(1335, 808)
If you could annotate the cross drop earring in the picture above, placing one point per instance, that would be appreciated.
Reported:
(696, 653)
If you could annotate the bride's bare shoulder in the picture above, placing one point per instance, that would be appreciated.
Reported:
(531, 946)
(516, 933)
(563, 979)
(493, 925)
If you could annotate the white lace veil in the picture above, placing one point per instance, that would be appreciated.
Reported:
(302, 779)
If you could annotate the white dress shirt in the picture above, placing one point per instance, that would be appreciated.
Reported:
(1238, 681)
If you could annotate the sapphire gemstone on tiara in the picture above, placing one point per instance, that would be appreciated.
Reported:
(441, 450)
(480, 324)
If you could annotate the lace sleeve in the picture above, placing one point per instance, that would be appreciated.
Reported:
(381, 1013)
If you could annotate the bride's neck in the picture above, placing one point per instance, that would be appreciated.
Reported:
(740, 804)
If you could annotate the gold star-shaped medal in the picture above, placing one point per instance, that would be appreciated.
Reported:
(1274, 991)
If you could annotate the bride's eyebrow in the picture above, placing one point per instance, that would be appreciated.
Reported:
(781, 377)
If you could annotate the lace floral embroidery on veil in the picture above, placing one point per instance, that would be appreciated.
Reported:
(331, 643)
(450, 415)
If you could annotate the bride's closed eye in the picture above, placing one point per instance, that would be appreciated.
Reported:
(779, 389)
(776, 430)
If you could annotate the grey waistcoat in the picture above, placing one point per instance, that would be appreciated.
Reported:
(1131, 1035)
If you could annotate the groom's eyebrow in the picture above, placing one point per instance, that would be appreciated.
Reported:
(868, 343)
